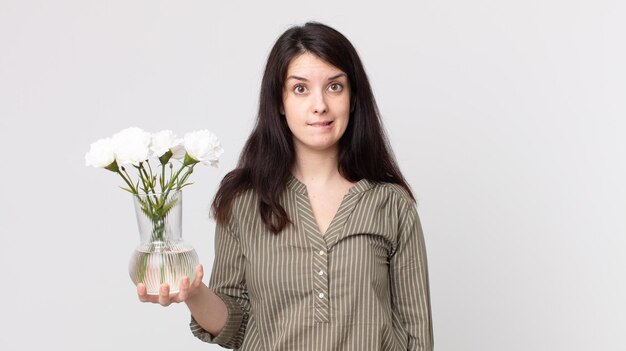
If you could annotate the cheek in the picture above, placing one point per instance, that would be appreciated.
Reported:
(292, 108)
(343, 108)
(343, 102)
(294, 119)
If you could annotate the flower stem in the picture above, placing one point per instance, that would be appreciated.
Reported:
(147, 179)
(129, 178)
(170, 184)
(132, 187)
(182, 181)
(162, 180)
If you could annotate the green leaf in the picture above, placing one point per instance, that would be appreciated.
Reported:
(130, 191)
(168, 205)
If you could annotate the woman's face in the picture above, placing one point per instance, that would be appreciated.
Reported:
(316, 103)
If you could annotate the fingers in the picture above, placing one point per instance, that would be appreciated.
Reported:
(164, 295)
(164, 298)
(142, 292)
(186, 289)
(183, 290)
(199, 276)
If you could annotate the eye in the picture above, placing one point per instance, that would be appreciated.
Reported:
(299, 89)
(336, 87)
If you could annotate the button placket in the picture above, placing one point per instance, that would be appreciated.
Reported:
(320, 269)
(319, 252)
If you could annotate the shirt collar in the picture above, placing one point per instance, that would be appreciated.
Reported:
(297, 186)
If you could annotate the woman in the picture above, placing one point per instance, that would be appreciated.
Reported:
(318, 241)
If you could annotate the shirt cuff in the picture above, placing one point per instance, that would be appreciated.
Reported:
(228, 336)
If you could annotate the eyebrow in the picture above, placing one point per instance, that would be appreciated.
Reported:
(306, 80)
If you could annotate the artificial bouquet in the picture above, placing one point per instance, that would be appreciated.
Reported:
(155, 167)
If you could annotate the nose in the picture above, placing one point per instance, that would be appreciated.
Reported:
(319, 104)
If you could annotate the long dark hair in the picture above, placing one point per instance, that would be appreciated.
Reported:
(268, 156)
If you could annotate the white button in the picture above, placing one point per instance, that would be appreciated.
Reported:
(321, 295)
(321, 272)
(322, 252)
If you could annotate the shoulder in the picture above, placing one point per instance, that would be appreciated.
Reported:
(389, 200)
(245, 202)
(390, 191)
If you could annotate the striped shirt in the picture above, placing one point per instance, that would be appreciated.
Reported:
(363, 285)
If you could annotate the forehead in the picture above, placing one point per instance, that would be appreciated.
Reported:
(308, 65)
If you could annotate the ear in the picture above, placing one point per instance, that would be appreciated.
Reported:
(282, 110)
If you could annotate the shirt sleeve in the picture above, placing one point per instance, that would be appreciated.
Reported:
(409, 282)
(228, 283)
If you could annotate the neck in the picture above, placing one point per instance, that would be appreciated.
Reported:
(316, 167)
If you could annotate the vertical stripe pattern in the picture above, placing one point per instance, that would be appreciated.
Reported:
(363, 285)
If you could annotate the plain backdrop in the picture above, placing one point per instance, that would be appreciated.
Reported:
(507, 118)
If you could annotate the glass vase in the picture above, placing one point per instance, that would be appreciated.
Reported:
(162, 256)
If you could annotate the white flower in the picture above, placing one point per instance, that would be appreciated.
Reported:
(137, 147)
(131, 145)
(178, 151)
(100, 153)
(165, 141)
(203, 146)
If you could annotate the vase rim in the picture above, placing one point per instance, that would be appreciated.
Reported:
(171, 192)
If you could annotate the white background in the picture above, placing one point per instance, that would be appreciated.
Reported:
(507, 118)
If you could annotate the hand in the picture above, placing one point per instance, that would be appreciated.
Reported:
(164, 298)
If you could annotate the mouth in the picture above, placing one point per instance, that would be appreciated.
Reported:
(321, 124)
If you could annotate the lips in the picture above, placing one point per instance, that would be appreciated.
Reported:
(321, 124)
